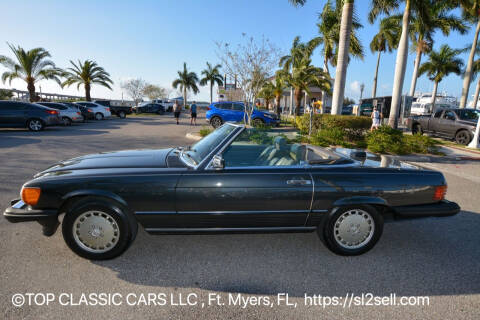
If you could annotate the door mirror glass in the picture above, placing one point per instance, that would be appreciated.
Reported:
(218, 163)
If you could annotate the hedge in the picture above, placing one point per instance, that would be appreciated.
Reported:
(328, 121)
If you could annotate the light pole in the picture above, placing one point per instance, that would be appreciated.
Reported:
(362, 86)
(474, 143)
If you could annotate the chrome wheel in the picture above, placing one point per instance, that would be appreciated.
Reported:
(462, 137)
(216, 122)
(35, 125)
(99, 116)
(96, 231)
(354, 229)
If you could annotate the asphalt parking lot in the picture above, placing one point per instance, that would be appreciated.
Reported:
(438, 258)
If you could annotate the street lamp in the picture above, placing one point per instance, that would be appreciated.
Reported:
(474, 143)
(362, 86)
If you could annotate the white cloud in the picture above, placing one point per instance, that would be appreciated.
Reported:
(355, 87)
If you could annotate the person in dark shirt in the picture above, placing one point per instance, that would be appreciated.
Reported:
(193, 113)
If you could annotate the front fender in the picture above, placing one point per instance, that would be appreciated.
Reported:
(95, 192)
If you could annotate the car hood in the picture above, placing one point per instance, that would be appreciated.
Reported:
(472, 122)
(148, 158)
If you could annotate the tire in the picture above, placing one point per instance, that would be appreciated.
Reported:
(122, 115)
(160, 112)
(417, 129)
(216, 122)
(67, 121)
(257, 122)
(360, 224)
(98, 116)
(463, 137)
(35, 125)
(97, 229)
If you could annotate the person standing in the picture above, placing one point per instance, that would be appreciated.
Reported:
(376, 117)
(193, 114)
(176, 110)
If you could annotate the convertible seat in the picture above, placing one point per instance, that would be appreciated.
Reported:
(295, 156)
(272, 154)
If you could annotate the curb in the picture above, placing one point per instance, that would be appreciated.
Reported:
(462, 149)
(193, 136)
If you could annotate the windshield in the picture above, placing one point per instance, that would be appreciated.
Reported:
(468, 114)
(203, 147)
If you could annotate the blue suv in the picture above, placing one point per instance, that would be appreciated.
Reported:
(221, 112)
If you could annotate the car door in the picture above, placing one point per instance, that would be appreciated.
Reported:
(226, 111)
(238, 112)
(446, 124)
(247, 193)
(14, 114)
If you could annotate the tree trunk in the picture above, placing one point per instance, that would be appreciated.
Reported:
(291, 101)
(298, 101)
(475, 97)
(374, 89)
(87, 92)
(211, 92)
(324, 93)
(467, 77)
(413, 85)
(400, 65)
(342, 59)
(434, 95)
(277, 105)
(31, 90)
(184, 98)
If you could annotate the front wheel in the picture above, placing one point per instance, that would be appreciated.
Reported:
(98, 229)
(216, 122)
(67, 121)
(462, 137)
(417, 129)
(257, 122)
(122, 115)
(351, 230)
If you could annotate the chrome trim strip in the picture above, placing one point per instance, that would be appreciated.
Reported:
(140, 213)
(259, 229)
(319, 211)
(221, 212)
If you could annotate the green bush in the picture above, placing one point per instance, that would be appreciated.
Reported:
(205, 131)
(331, 137)
(386, 140)
(421, 144)
(354, 124)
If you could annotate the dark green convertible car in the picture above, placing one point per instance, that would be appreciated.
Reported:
(235, 180)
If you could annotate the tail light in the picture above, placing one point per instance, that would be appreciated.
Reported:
(89, 110)
(108, 109)
(78, 113)
(52, 112)
(30, 195)
(208, 108)
(440, 192)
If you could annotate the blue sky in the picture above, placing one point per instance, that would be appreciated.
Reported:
(152, 39)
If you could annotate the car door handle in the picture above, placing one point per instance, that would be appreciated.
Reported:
(299, 182)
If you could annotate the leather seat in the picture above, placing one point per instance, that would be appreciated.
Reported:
(294, 157)
(272, 154)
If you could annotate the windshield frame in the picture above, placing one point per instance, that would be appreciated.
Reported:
(223, 143)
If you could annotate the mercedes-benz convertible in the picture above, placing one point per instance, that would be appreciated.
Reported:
(235, 180)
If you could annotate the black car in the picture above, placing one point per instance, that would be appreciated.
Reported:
(235, 180)
(150, 108)
(87, 113)
(119, 111)
(35, 117)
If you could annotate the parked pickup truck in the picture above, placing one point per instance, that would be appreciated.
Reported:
(456, 124)
(119, 111)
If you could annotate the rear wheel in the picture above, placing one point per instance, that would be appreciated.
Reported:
(417, 129)
(67, 121)
(462, 137)
(98, 116)
(98, 229)
(216, 122)
(351, 230)
(35, 125)
(122, 115)
(257, 122)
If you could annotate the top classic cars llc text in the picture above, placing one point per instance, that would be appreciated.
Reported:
(212, 299)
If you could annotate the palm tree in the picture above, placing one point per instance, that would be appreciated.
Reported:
(385, 40)
(87, 73)
(439, 65)
(471, 13)
(422, 30)
(187, 81)
(303, 74)
(31, 66)
(278, 87)
(267, 94)
(387, 7)
(212, 75)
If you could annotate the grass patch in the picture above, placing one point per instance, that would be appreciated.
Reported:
(205, 131)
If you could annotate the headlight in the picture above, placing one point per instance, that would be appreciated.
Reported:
(268, 116)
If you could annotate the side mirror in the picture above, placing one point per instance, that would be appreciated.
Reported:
(218, 163)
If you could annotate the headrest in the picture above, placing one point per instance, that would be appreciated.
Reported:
(280, 143)
(297, 151)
